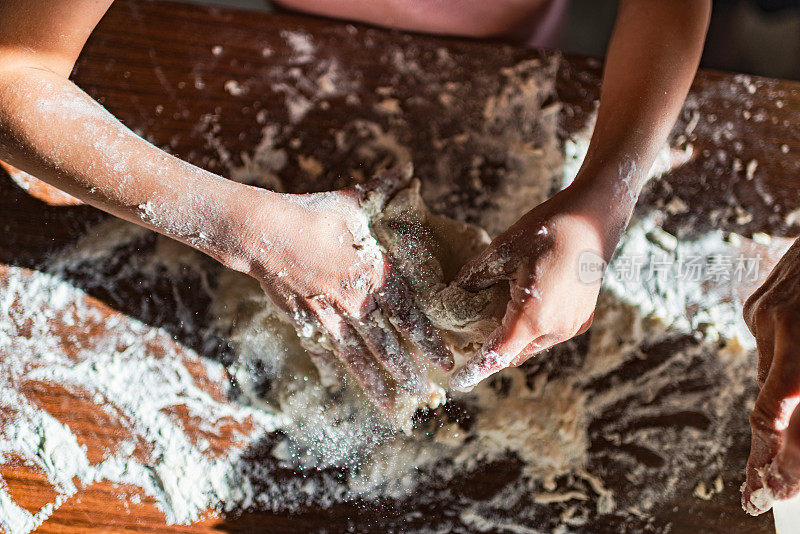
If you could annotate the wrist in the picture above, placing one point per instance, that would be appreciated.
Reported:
(234, 231)
(609, 192)
(606, 213)
(619, 180)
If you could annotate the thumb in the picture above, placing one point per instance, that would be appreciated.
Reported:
(486, 269)
(499, 352)
(385, 184)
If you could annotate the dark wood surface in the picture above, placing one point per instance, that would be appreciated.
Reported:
(155, 66)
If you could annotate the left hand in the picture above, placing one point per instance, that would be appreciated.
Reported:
(315, 258)
(773, 315)
(551, 301)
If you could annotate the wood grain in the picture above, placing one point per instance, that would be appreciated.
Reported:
(157, 67)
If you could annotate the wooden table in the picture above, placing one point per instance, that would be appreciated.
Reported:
(166, 70)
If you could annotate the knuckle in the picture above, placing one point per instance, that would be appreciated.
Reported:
(536, 323)
(539, 326)
(749, 310)
(763, 420)
(761, 379)
(353, 301)
(559, 337)
(757, 316)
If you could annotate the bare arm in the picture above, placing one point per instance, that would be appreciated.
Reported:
(53, 130)
(345, 302)
(651, 62)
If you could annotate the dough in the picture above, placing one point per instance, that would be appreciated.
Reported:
(427, 249)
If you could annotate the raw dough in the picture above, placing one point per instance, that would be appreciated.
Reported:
(427, 249)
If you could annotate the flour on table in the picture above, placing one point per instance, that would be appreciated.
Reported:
(300, 420)
(236, 415)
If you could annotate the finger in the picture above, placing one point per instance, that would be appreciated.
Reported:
(759, 321)
(772, 412)
(501, 261)
(282, 301)
(763, 447)
(386, 183)
(547, 341)
(538, 345)
(300, 315)
(501, 349)
(783, 476)
(494, 356)
(783, 385)
(352, 351)
(488, 268)
(750, 307)
(396, 301)
(366, 371)
(310, 331)
(381, 340)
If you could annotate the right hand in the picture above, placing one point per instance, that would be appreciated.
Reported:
(315, 258)
(773, 315)
(550, 303)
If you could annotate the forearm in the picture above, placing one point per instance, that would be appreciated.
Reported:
(51, 129)
(651, 61)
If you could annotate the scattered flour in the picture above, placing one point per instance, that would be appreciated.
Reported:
(541, 420)
(609, 423)
(116, 352)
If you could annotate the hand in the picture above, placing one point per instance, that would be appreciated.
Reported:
(539, 255)
(315, 257)
(773, 315)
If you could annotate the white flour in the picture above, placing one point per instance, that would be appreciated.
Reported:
(132, 371)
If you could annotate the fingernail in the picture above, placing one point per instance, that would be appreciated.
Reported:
(467, 377)
(471, 374)
(459, 383)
